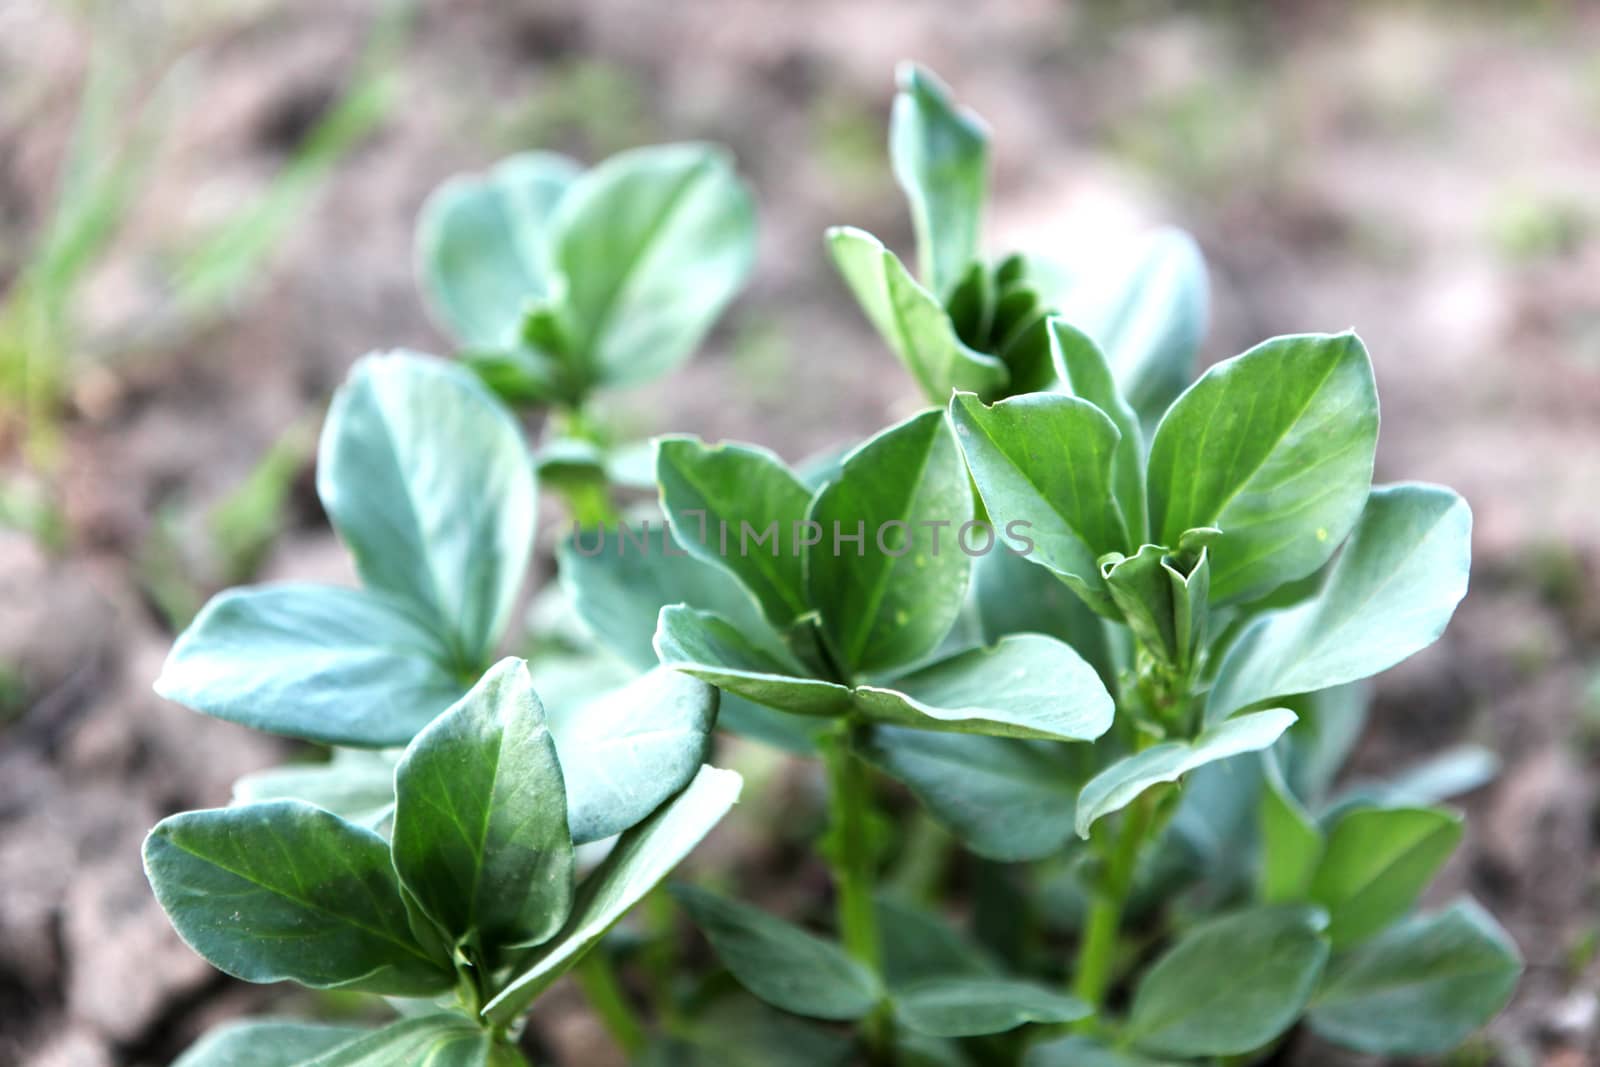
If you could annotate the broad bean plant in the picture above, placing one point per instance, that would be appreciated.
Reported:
(1079, 651)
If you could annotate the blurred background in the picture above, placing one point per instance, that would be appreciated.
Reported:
(206, 211)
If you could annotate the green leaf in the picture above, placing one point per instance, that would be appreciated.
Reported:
(438, 1040)
(1010, 599)
(1165, 607)
(1148, 315)
(911, 320)
(1083, 1052)
(780, 963)
(893, 600)
(340, 666)
(480, 823)
(1005, 799)
(284, 890)
(1274, 448)
(1027, 685)
(726, 502)
(714, 650)
(1119, 784)
(1291, 840)
(426, 478)
(266, 1043)
(619, 592)
(1230, 985)
(1046, 460)
(482, 246)
(1377, 863)
(355, 785)
(918, 942)
(1421, 987)
(1390, 594)
(626, 751)
(940, 156)
(968, 1006)
(1080, 364)
(642, 858)
(649, 247)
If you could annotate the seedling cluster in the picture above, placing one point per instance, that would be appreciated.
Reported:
(1107, 626)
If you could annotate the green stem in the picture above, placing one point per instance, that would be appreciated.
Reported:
(1097, 955)
(850, 805)
(599, 983)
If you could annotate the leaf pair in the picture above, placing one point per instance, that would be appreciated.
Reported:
(859, 583)
(557, 281)
(802, 973)
(479, 876)
(426, 479)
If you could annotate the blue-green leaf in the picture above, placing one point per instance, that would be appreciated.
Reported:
(266, 1043)
(355, 785)
(971, 1005)
(940, 156)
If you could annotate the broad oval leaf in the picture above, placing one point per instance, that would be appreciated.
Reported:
(1377, 863)
(480, 823)
(911, 320)
(483, 246)
(738, 508)
(1045, 461)
(266, 1043)
(1421, 987)
(649, 247)
(437, 1040)
(339, 666)
(1390, 594)
(426, 478)
(1082, 368)
(968, 1006)
(1274, 448)
(643, 856)
(1291, 841)
(1148, 314)
(285, 890)
(355, 785)
(782, 964)
(1121, 783)
(1230, 985)
(940, 157)
(626, 751)
(714, 650)
(1005, 799)
(1027, 685)
(888, 599)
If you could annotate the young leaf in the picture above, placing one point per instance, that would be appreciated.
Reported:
(482, 247)
(339, 666)
(714, 650)
(892, 600)
(911, 320)
(1027, 685)
(480, 823)
(940, 156)
(1006, 800)
(782, 964)
(737, 507)
(1148, 315)
(649, 246)
(1420, 987)
(1119, 784)
(1390, 594)
(266, 1043)
(642, 857)
(1165, 608)
(1079, 363)
(968, 1006)
(1084, 1052)
(356, 786)
(1377, 863)
(626, 751)
(1274, 448)
(284, 890)
(437, 1040)
(1291, 841)
(1046, 460)
(1230, 985)
(426, 478)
